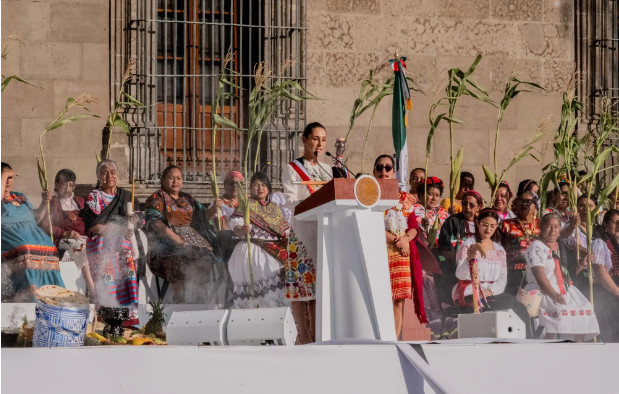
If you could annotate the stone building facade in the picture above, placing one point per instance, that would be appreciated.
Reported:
(63, 47)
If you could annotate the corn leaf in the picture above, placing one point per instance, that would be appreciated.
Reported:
(10, 78)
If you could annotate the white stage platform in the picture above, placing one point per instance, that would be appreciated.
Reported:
(460, 366)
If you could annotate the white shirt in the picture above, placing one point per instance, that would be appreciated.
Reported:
(491, 270)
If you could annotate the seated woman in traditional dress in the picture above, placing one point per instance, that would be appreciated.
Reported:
(491, 262)
(29, 257)
(516, 236)
(179, 252)
(67, 225)
(430, 211)
(501, 202)
(467, 182)
(404, 265)
(606, 275)
(111, 258)
(262, 285)
(563, 310)
(301, 288)
(456, 230)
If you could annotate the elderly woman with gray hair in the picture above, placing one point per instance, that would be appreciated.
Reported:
(110, 254)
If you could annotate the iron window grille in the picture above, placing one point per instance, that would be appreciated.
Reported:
(178, 46)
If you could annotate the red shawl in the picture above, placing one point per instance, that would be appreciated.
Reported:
(416, 274)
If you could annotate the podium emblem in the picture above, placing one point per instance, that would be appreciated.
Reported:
(367, 191)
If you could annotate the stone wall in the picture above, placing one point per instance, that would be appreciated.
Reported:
(62, 47)
(532, 38)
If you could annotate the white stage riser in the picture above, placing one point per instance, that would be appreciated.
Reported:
(532, 367)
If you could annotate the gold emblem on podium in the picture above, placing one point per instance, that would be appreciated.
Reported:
(367, 191)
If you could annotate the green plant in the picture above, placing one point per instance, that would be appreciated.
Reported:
(512, 89)
(371, 94)
(224, 84)
(264, 98)
(157, 318)
(7, 80)
(599, 149)
(459, 84)
(60, 120)
(123, 101)
(566, 147)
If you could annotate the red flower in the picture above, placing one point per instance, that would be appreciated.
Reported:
(573, 312)
(581, 313)
(293, 255)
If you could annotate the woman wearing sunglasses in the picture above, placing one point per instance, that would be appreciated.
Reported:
(401, 230)
(516, 236)
(491, 271)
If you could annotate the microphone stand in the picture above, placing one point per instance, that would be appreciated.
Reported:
(320, 167)
(342, 163)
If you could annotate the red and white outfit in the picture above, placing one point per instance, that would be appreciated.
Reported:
(491, 271)
(577, 315)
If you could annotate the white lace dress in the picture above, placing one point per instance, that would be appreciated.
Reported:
(269, 289)
(577, 316)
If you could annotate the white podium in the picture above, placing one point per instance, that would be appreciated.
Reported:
(353, 290)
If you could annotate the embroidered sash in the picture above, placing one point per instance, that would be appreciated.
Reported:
(302, 172)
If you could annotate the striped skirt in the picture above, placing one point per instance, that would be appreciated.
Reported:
(400, 274)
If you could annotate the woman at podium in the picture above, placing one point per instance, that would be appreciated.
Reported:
(401, 230)
(300, 178)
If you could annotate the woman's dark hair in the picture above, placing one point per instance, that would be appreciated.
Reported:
(435, 182)
(167, 170)
(609, 215)
(466, 174)
(382, 157)
(525, 186)
(559, 186)
(5, 166)
(262, 177)
(310, 127)
(584, 196)
(486, 213)
(65, 174)
(509, 190)
(472, 193)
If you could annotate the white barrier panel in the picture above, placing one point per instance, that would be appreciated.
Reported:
(261, 326)
(198, 328)
(498, 324)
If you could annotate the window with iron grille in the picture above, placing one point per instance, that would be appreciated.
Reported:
(597, 61)
(179, 47)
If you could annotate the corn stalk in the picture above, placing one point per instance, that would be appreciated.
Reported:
(123, 101)
(60, 120)
(459, 84)
(371, 94)
(264, 99)
(512, 89)
(7, 80)
(224, 84)
(566, 146)
(596, 159)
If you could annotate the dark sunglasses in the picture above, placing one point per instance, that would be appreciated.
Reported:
(525, 203)
(380, 167)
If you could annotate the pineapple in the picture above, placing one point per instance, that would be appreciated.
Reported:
(157, 318)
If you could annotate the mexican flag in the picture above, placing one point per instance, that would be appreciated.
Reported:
(401, 103)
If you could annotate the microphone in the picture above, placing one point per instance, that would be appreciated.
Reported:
(319, 166)
(342, 163)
